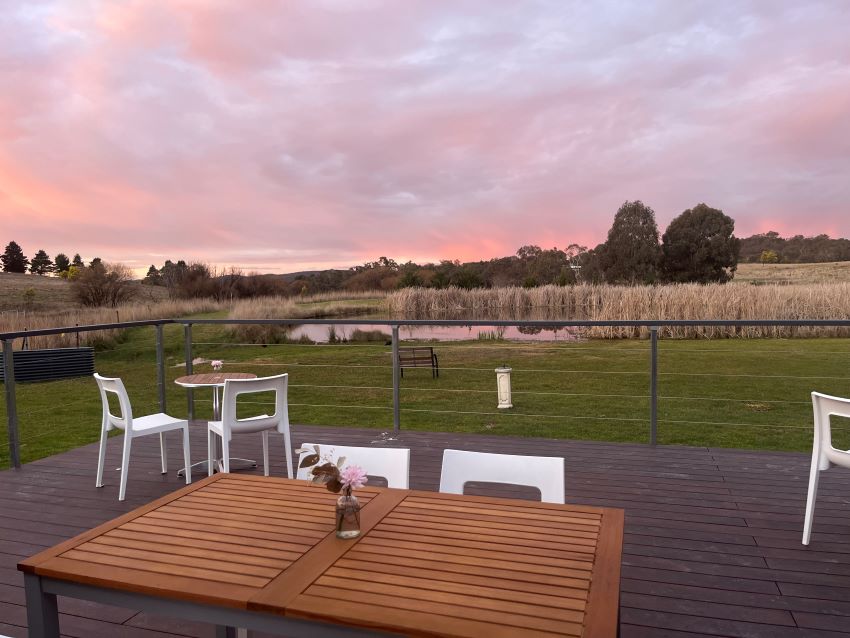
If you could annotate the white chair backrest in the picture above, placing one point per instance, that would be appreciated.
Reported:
(546, 473)
(392, 464)
(123, 421)
(824, 407)
(235, 387)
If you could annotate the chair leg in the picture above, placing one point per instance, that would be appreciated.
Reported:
(814, 475)
(163, 453)
(225, 452)
(287, 443)
(210, 451)
(265, 452)
(187, 456)
(101, 457)
(125, 465)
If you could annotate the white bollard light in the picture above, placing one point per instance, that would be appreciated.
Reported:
(503, 387)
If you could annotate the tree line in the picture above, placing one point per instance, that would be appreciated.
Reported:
(14, 260)
(698, 246)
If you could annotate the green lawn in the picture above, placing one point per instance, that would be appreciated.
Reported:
(733, 393)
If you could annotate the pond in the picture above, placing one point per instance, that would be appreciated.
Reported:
(321, 334)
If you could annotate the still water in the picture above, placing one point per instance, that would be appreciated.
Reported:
(441, 333)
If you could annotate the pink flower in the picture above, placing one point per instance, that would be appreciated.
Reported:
(353, 477)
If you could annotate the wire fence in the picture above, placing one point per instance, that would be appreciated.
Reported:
(746, 393)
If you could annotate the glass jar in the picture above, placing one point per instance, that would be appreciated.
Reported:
(347, 516)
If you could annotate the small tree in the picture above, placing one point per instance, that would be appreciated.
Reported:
(13, 258)
(104, 285)
(41, 264)
(62, 263)
(97, 261)
(699, 246)
(632, 253)
(78, 261)
(768, 257)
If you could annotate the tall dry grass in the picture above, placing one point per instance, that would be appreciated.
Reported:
(74, 316)
(610, 303)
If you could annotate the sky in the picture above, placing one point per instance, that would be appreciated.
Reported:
(288, 135)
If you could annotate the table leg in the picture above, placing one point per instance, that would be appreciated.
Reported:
(42, 612)
(224, 632)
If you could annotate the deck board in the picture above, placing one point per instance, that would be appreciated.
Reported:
(711, 546)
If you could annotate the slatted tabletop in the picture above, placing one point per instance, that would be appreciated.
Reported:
(426, 563)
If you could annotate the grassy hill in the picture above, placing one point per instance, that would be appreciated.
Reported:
(35, 293)
(829, 272)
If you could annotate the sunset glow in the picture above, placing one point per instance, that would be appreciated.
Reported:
(281, 136)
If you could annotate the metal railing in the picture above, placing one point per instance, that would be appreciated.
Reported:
(7, 340)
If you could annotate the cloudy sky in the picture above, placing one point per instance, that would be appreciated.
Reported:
(286, 135)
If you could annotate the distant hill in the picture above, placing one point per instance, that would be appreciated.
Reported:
(51, 293)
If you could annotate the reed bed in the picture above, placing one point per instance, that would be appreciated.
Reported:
(169, 309)
(614, 303)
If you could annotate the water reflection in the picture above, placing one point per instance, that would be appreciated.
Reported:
(321, 334)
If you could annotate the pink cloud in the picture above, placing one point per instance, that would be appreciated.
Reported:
(282, 136)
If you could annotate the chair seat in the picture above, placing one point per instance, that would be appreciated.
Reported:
(241, 426)
(159, 422)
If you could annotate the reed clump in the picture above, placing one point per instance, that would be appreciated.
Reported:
(623, 303)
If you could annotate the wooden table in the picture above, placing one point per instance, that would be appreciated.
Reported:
(257, 552)
(215, 380)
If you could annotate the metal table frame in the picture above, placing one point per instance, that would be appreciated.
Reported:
(202, 466)
(43, 614)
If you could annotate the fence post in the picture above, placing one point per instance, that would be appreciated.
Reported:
(11, 404)
(396, 383)
(160, 367)
(653, 385)
(187, 345)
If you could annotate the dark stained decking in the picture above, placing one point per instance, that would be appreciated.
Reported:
(712, 539)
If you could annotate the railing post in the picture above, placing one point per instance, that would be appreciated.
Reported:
(160, 367)
(187, 345)
(396, 383)
(11, 404)
(653, 385)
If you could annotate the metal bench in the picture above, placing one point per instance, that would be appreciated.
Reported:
(419, 357)
(51, 364)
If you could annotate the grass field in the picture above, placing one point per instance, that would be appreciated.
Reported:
(51, 294)
(830, 272)
(751, 393)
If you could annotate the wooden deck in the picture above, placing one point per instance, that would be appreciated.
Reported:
(712, 539)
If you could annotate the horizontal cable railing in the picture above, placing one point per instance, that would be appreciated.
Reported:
(591, 388)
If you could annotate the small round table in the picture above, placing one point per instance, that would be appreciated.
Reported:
(215, 380)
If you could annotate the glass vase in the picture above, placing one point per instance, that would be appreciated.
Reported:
(347, 516)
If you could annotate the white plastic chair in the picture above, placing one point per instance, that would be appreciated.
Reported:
(392, 464)
(824, 455)
(230, 424)
(546, 473)
(159, 423)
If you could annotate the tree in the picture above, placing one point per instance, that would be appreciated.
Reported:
(78, 261)
(699, 246)
(41, 264)
(153, 278)
(768, 257)
(62, 263)
(632, 253)
(103, 285)
(96, 261)
(14, 259)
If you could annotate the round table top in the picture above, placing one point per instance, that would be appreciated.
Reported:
(211, 378)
